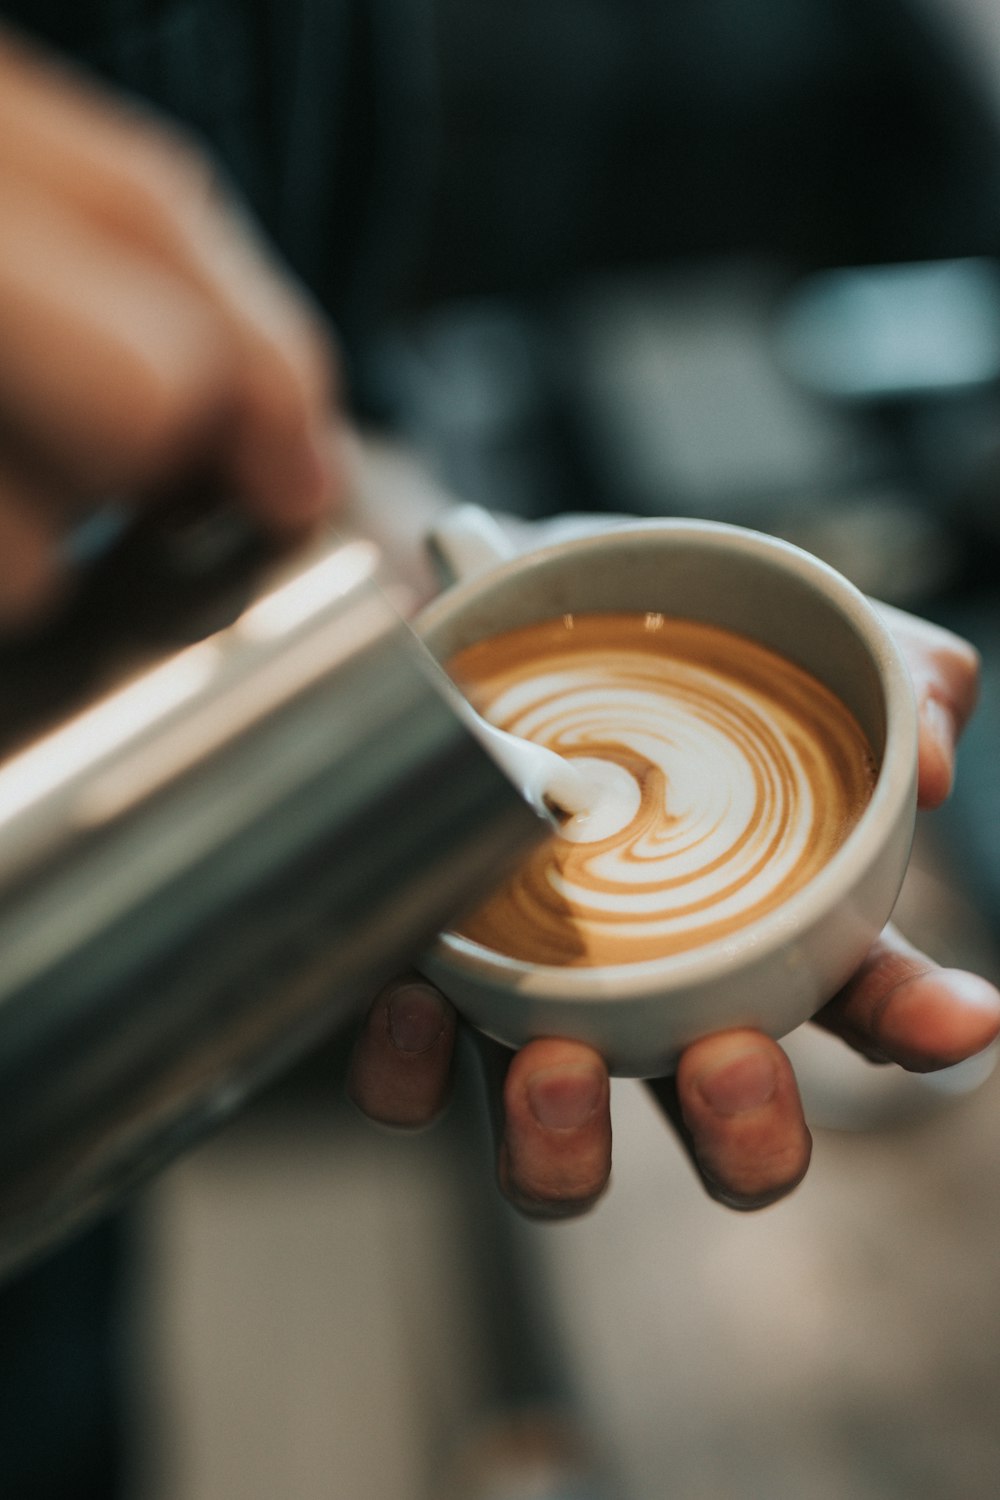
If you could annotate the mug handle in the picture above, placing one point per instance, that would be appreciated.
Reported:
(468, 541)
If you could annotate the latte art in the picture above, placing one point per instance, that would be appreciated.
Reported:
(725, 778)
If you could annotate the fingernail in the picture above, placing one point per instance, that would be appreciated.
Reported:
(416, 1017)
(564, 1098)
(743, 1084)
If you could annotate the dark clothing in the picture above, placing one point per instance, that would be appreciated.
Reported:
(63, 1373)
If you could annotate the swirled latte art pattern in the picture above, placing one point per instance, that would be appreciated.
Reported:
(730, 777)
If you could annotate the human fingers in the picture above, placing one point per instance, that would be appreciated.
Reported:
(113, 373)
(945, 673)
(735, 1107)
(400, 1069)
(121, 192)
(902, 1007)
(550, 1101)
(554, 1148)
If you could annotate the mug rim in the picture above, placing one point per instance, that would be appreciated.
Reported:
(892, 794)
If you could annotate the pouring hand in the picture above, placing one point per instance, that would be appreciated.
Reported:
(145, 332)
(734, 1102)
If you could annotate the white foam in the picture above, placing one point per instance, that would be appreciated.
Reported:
(715, 794)
(731, 768)
(613, 797)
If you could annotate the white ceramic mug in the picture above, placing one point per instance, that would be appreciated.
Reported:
(775, 972)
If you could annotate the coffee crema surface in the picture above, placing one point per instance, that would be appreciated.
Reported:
(726, 778)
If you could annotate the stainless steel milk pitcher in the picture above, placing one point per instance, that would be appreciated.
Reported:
(211, 864)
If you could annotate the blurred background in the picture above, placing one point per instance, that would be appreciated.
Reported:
(725, 258)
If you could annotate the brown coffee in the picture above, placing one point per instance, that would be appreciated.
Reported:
(729, 775)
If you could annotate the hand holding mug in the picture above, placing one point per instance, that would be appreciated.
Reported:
(732, 1097)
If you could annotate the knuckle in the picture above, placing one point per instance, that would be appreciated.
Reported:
(166, 176)
(153, 185)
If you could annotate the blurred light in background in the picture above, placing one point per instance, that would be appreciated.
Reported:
(893, 332)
